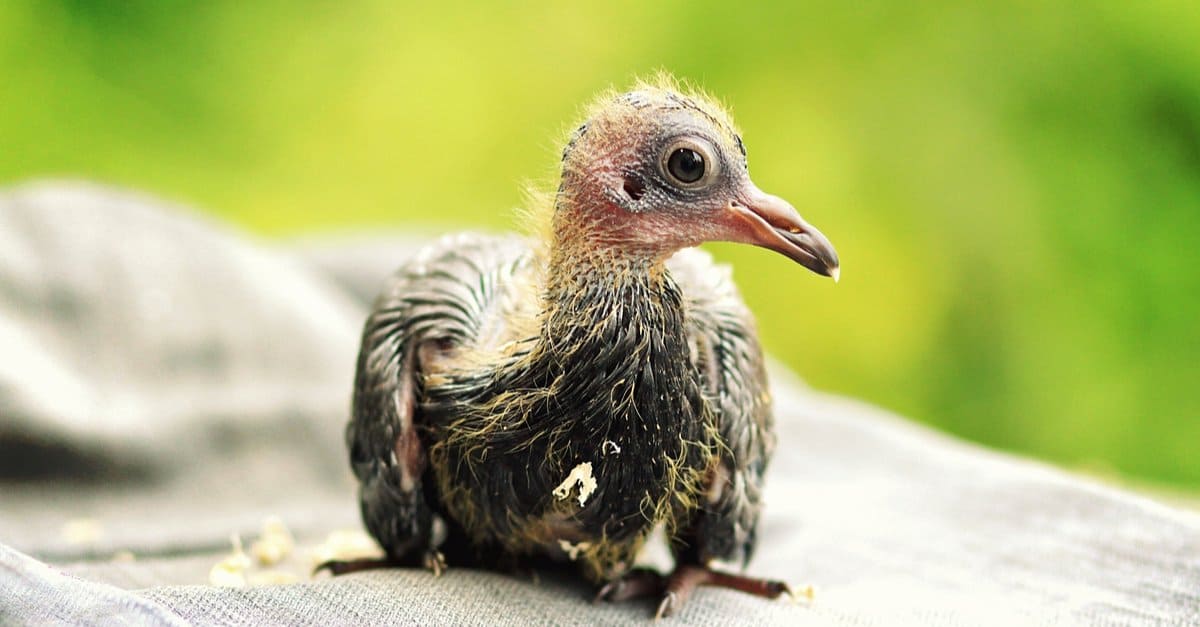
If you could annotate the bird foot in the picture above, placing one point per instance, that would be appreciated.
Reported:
(675, 589)
(432, 560)
(435, 562)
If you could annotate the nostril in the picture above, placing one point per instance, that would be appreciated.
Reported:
(634, 187)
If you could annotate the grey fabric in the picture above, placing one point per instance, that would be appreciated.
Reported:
(35, 592)
(174, 382)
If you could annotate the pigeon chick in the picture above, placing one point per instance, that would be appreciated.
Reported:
(561, 397)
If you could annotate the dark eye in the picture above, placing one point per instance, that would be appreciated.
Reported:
(686, 164)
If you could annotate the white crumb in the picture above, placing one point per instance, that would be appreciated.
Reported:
(275, 543)
(230, 572)
(272, 578)
(345, 544)
(573, 550)
(82, 531)
(582, 475)
(610, 447)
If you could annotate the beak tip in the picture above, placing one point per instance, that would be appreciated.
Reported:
(835, 273)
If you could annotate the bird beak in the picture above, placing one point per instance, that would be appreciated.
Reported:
(765, 220)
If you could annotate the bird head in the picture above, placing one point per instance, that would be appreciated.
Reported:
(657, 169)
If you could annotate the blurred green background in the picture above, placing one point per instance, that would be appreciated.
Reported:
(1013, 187)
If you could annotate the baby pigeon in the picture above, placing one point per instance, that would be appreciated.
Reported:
(562, 396)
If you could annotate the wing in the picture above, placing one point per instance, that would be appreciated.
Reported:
(434, 304)
(724, 343)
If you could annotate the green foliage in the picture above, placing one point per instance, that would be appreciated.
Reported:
(1014, 187)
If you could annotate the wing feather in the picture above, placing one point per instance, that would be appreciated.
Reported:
(725, 348)
(437, 301)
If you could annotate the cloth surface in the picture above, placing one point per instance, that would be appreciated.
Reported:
(166, 382)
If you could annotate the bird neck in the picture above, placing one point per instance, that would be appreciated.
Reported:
(595, 269)
(604, 287)
(592, 296)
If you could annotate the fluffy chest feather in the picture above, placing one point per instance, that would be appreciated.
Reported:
(587, 437)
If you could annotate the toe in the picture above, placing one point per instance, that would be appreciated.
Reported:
(635, 584)
(668, 606)
(607, 592)
(435, 562)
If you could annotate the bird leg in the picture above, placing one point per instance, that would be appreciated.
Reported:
(675, 589)
(432, 560)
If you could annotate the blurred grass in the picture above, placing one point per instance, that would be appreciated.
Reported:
(1014, 187)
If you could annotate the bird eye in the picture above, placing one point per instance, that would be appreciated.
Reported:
(689, 163)
(686, 164)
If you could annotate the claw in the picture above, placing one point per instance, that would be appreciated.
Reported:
(435, 562)
(605, 592)
(667, 607)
